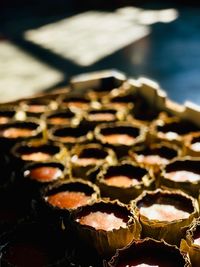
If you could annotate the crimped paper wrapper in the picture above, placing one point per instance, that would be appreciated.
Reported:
(188, 246)
(182, 164)
(37, 127)
(116, 99)
(154, 252)
(68, 117)
(74, 101)
(171, 129)
(173, 231)
(49, 213)
(30, 188)
(136, 130)
(105, 115)
(166, 152)
(75, 134)
(106, 242)
(105, 156)
(192, 145)
(123, 193)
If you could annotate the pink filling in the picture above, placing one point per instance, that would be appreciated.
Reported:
(16, 132)
(101, 117)
(163, 212)
(102, 220)
(122, 139)
(69, 200)
(196, 146)
(183, 176)
(152, 159)
(121, 181)
(37, 156)
(44, 174)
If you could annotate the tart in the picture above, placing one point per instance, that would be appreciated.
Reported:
(149, 253)
(120, 136)
(183, 174)
(86, 157)
(165, 214)
(124, 181)
(106, 225)
(70, 135)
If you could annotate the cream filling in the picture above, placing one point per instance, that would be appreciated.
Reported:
(163, 212)
(122, 139)
(121, 181)
(102, 221)
(152, 159)
(183, 176)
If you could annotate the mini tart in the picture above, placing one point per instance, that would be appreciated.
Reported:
(191, 244)
(27, 152)
(17, 131)
(58, 200)
(192, 145)
(172, 130)
(148, 253)
(75, 102)
(120, 136)
(124, 181)
(35, 107)
(44, 172)
(183, 174)
(154, 155)
(104, 115)
(70, 135)
(33, 244)
(85, 157)
(165, 214)
(61, 117)
(106, 225)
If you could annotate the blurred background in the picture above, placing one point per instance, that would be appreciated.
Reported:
(44, 43)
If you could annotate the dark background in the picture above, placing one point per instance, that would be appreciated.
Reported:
(173, 57)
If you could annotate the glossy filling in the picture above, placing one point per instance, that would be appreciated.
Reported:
(169, 135)
(102, 221)
(85, 161)
(68, 199)
(183, 176)
(122, 139)
(121, 181)
(162, 212)
(197, 241)
(78, 104)
(44, 173)
(36, 156)
(4, 120)
(17, 132)
(36, 108)
(195, 146)
(58, 120)
(68, 139)
(101, 117)
(152, 159)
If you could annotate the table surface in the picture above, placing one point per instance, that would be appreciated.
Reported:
(168, 53)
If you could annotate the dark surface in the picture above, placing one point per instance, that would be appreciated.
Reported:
(170, 54)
